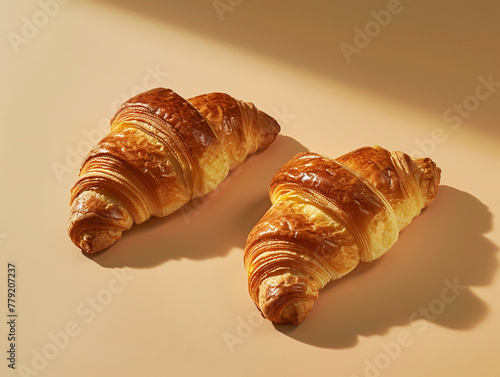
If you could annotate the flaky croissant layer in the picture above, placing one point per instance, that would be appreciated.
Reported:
(161, 152)
(327, 216)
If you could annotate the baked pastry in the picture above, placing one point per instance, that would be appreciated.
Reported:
(328, 216)
(161, 152)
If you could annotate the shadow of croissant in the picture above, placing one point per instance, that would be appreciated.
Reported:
(425, 278)
(206, 227)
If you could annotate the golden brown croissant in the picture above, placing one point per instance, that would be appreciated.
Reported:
(161, 152)
(327, 216)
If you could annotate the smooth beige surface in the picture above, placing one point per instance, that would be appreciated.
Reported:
(171, 298)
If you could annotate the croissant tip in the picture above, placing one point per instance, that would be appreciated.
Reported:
(429, 180)
(296, 312)
(98, 241)
(86, 244)
(287, 299)
(269, 128)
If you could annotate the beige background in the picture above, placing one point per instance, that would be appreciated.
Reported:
(170, 298)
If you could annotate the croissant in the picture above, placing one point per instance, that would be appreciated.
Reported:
(161, 152)
(326, 217)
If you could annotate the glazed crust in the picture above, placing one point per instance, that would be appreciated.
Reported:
(161, 152)
(328, 216)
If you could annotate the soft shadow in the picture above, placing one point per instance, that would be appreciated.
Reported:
(429, 55)
(444, 246)
(210, 226)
